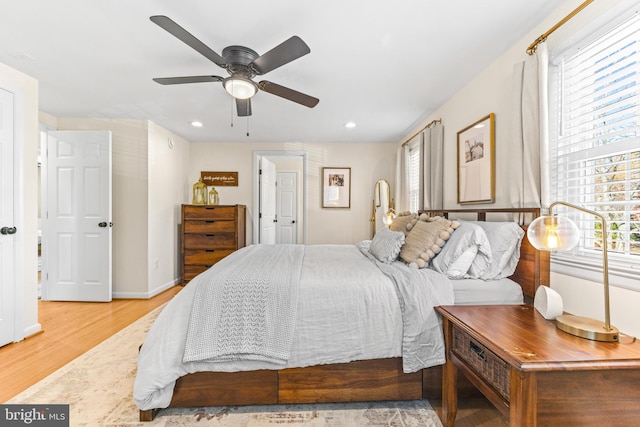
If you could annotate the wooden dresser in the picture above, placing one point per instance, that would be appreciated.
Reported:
(210, 233)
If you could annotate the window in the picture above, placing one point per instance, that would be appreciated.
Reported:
(413, 163)
(595, 142)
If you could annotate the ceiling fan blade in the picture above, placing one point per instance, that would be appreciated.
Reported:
(244, 107)
(176, 30)
(290, 94)
(284, 53)
(188, 79)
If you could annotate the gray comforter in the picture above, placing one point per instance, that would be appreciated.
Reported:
(349, 307)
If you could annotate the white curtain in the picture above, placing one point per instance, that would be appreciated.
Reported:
(433, 164)
(529, 151)
(402, 180)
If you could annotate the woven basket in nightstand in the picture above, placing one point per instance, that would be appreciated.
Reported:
(486, 364)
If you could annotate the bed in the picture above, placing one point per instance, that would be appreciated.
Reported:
(387, 360)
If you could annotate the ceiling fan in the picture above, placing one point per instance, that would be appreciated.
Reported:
(242, 64)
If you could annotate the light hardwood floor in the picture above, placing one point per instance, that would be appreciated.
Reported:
(69, 330)
(72, 328)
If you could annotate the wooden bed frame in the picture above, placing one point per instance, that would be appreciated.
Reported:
(368, 380)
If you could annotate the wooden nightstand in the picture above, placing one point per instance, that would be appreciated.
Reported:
(536, 374)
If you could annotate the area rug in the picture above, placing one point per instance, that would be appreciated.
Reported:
(98, 388)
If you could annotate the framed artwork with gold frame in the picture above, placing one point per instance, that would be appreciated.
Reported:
(336, 187)
(476, 162)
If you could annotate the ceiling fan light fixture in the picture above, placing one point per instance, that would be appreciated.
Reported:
(240, 87)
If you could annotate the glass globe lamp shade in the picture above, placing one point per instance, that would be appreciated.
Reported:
(553, 233)
(388, 218)
(240, 88)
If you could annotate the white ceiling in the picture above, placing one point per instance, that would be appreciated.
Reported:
(384, 65)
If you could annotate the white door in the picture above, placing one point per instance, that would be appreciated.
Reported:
(77, 223)
(7, 237)
(287, 207)
(267, 201)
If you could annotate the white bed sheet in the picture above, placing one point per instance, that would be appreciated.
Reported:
(478, 291)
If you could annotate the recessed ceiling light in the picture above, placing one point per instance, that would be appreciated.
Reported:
(196, 124)
(349, 125)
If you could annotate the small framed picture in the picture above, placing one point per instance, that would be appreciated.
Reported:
(476, 162)
(336, 187)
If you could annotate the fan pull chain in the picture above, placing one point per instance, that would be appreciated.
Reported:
(231, 112)
(247, 125)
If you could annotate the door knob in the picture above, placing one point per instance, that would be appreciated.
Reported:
(8, 230)
(293, 222)
(102, 224)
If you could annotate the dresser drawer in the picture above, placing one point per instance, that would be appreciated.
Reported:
(206, 257)
(209, 212)
(210, 241)
(209, 226)
(191, 271)
(483, 361)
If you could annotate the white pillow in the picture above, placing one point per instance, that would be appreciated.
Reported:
(467, 254)
(386, 245)
(505, 239)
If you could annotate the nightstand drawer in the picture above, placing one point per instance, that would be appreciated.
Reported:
(493, 370)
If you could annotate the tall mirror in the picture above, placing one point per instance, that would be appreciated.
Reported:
(382, 208)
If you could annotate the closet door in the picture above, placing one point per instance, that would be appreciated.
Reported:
(78, 220)
(7, 237)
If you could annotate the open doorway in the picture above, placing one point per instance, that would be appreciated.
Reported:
(290, 208)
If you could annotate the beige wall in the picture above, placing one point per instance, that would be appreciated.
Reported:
(149, 182)
(490, 92)
(168, 183)
(368, 163)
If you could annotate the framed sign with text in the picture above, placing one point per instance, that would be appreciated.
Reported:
(220, 179)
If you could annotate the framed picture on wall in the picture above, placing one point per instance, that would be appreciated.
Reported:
(476, 162)
(336, 187)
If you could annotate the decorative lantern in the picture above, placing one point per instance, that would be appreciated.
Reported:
(213, 196)
(199, 193)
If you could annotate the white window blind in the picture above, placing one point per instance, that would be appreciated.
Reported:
(414, 177)
(595, 140)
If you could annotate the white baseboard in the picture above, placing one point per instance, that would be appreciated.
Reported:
(146, 295)
(32, 330)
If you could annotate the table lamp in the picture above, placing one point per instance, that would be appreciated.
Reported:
(557, 233)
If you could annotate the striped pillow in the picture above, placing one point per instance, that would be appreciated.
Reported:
(386, 245)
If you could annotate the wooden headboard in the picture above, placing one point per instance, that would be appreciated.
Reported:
(533, 268)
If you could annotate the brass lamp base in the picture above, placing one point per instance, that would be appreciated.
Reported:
(584, 327)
